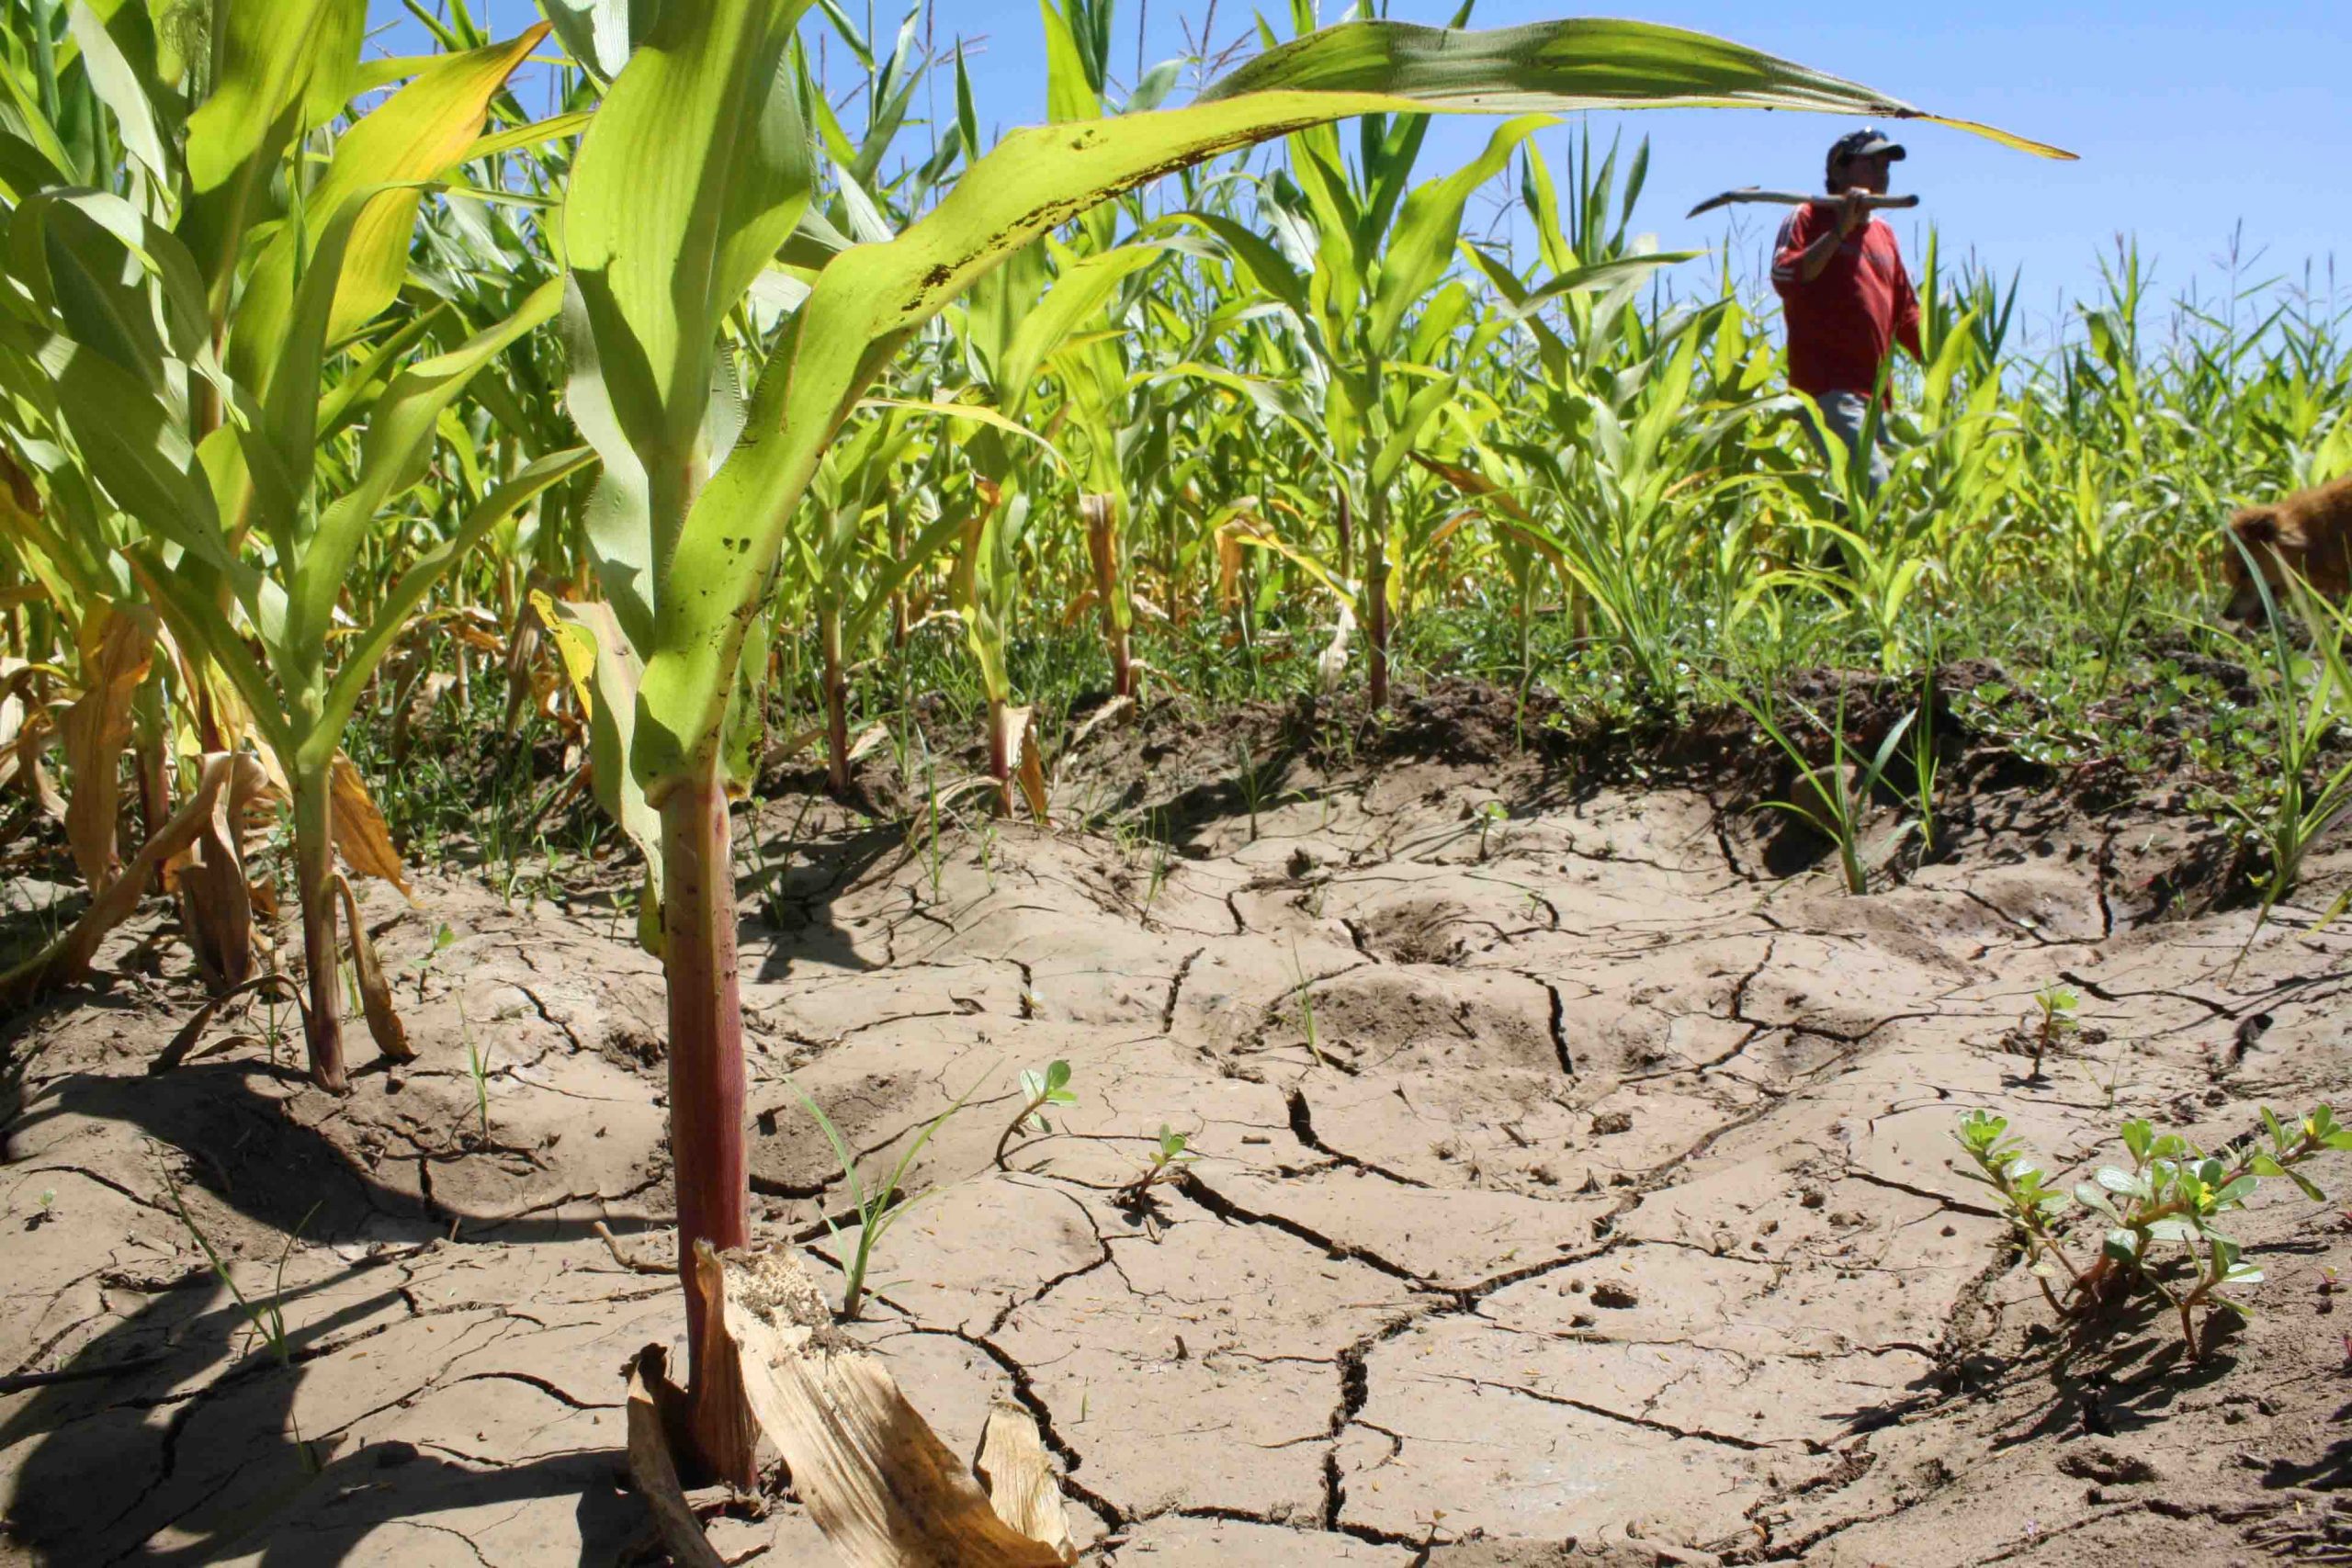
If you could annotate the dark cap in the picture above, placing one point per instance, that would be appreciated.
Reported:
(1867, 143)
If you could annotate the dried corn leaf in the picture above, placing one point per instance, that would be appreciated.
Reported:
(359, 831)
(374, 995)
(1027, 761)
(216, 901)
(1020, 1478)
(653, 1403)
(67, 958)
(1332, 663)
(183, 1044)
(864, 1462)
(1228, 568)
(118, 645)
(1104, 715)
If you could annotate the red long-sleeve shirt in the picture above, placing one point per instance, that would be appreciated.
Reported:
(1844, 323)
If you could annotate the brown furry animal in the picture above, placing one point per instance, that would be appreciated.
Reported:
(2311, 531)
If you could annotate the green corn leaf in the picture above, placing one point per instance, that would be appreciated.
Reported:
(1075, 299)
(421, 132)
(120, 82)
(593, 628)
(399, 446)
(1422, 244)
(280, 67)
(600, 34)
(391, 617)
(695, 171)
(134, 447)
(114, 279)
(867, 305)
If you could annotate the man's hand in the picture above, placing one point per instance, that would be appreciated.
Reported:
(1853, 211)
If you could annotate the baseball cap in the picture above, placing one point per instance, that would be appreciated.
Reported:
(1867, 143)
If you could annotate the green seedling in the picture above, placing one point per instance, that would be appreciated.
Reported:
(1307, 1008)
(1162, 859)
(1038, 1090)
(478, 1069)
(267, 1320)
(2172, 1194)
(2053, 1021)
(1253, 789)
(1492, 815)
(877, 1209)
(443, 939)
(1167, 1161)
(1833, 800)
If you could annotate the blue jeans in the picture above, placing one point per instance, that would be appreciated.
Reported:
(1846, 413)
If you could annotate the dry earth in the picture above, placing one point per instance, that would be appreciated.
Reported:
(1604, 1211)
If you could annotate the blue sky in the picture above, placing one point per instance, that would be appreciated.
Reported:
(2191, 120)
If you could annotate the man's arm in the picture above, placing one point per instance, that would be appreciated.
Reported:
(1804, 255)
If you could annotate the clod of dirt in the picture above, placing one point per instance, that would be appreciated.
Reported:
(2108, 1465)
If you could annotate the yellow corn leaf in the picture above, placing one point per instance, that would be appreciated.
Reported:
(1028, 767)
(216, 901)
(359, 831)
(67, 958)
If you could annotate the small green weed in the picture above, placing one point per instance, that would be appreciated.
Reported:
(1167, 1161)
(1307, 1008)
(478, 1069)
(2172, 1194)
(1038, 1090)
(2051, 1022)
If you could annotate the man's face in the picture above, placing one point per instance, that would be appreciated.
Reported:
(1867, 174)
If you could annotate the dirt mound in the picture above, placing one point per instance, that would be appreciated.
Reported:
(1569, 1190)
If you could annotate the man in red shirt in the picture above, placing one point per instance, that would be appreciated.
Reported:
(1845, 296)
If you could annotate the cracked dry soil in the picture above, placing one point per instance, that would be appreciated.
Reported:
(1575, 1191)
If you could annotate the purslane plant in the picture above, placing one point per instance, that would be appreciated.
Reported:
(2172, 1194)
(1039, 1092)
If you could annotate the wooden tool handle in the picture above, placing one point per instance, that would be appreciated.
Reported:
(1798, 199)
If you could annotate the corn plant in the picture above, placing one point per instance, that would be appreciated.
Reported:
(2309, 797)
(200, 343)
(215, 429)
(1834, 798)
